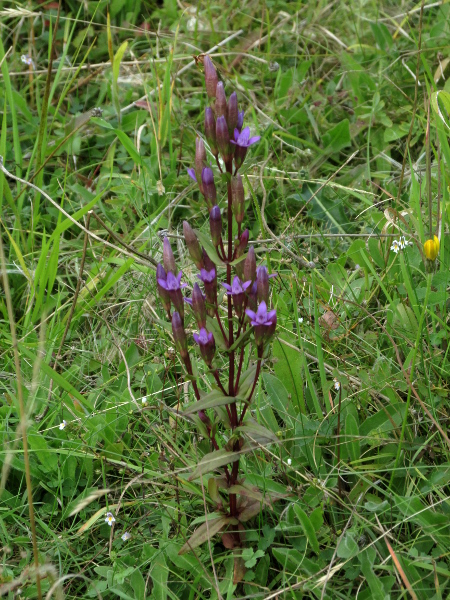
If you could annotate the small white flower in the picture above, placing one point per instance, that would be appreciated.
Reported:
(289, 462)
(144, 400)
(110, 519)
(300, 320)
(396, 246)
(126, 536)
(337, 385)
(27, 60)
(62, 425)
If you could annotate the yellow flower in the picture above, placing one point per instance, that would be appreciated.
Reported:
(431, 248)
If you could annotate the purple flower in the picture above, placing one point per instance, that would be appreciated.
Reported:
(237, 291)
(191, 173)
(173, 285)
(209, 279)
(243, 138)
(242, 141)
(262, 321)
(207, 276)
(237, 287)
(162, 291)
(203, 337)
(207, 344)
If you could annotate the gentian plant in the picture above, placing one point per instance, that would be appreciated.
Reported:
(233, 342)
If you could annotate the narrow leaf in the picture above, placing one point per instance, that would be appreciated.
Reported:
(203, 533)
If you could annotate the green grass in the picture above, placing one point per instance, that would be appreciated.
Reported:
(363, 471)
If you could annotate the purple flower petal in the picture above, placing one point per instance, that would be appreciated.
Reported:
(163, 283)
(227, 287)
(253, 140)
(196, 338)
(192, 174)
(250, 314)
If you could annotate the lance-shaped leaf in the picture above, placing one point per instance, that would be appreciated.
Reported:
(251, 510)
(205, 532)
(214, 460)
(307, 527)
(208, 246)
(257, 433)
(247, 379)
(211, 400)
(250, 491)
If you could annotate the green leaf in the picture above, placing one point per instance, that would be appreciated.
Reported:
(159, 574)
(211, 400)
(307, 527)
(214, 460)
(279, 399)
(118, 59)
(337, 138)
(205, 532)
(257, 432)
(208, 246)
(347, 547)
(352, 438)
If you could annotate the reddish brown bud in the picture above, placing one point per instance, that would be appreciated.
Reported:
(210, 131)
(238, 198)
(232, 113)
(221, 101)
(179, 335)
(168, 257)
(215, 225)
(193, 245)
(211, 78)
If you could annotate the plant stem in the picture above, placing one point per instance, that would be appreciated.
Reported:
(234, 416)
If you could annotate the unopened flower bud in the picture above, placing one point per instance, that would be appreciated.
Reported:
(207, 345)
(200, 159)
(211, 78)
(198, 306)
(193, 245)
(240, 121)
(262, 282)
(179, 335)
(232, 113)
(431, 248)
(210, 131)
(250, 265)
(209, 187)
(238, 198)
(162, 292)
(215, 225)
(242, 243)
(221, 101)
(168, 257)
(223, 138)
